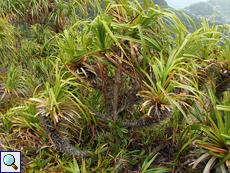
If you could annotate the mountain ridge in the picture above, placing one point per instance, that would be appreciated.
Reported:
(206, 9)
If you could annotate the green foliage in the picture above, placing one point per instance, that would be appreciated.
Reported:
(133, 85)
(73, 167)
(7, 42)
(216, 133)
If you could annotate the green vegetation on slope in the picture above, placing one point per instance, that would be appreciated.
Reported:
(128, 90)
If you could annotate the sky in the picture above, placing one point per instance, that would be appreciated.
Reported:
(182, 3)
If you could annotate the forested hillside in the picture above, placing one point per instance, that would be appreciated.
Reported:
(161, 3)
(206, 9)
(113, 86)
(222, 6)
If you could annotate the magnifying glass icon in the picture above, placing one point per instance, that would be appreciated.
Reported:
(9, 160)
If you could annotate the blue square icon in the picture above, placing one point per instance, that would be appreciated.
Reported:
(10, 161)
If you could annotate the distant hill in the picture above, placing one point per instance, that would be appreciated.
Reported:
(161, 3)
(206, 9)
(223, 6)
(189, 26)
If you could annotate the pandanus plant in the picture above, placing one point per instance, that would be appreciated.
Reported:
(213, 118)
(214, 130)
(57, 110)
(14, 85)
(114, 50)
(169, 87)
